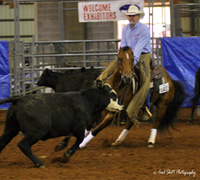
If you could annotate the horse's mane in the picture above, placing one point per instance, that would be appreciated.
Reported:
(125, 48)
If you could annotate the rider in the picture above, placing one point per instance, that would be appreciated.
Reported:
(137, 36)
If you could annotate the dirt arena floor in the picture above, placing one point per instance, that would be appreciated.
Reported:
(175, 156)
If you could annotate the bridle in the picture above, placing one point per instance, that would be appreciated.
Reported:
(134, 77)
(120, 61)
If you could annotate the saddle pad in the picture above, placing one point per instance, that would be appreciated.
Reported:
(163, 88)
(160, 85)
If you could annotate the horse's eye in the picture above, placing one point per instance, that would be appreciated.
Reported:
(120, 60)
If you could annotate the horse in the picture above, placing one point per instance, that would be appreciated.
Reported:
(123, 80)
(196, 97)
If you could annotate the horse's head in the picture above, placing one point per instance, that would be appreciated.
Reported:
(125, 63)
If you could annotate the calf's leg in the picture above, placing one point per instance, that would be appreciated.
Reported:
(25, 146)
(62, 144)
(6, 138)
(73, 149)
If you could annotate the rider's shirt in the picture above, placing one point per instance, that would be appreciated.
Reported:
(138, 38)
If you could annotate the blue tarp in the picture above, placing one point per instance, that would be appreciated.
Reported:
(181, 58)
(4, 73)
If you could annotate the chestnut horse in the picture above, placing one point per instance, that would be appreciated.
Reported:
(166, 103)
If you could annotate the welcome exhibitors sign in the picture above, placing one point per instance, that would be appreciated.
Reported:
(105, 11)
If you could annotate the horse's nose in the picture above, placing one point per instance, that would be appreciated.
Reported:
(126, 79)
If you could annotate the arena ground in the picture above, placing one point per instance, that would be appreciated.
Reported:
(175, 156)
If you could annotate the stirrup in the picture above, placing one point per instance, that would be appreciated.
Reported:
(148, 112)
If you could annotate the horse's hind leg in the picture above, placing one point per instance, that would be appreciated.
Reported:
(160, 112)
(25, 146)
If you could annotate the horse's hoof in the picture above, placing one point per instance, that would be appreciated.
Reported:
(150, 145)
(114, 144)
(66, 157)
(59, 147)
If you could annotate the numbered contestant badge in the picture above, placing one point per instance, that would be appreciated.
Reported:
(163, 88)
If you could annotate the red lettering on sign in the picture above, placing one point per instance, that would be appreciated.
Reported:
(88, 16)
(96, 7)
(114, 15)
(85, 8)
(84, 16)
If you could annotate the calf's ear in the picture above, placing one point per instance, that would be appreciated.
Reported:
(99, 83)
(107, 87)
(83, 69)
(47, 70)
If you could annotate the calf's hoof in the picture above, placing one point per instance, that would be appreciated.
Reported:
(150, 145)
(60, 146)
(66, 157)
(40, 166)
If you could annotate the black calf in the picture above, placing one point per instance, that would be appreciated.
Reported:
(45, 116)
(70, 81)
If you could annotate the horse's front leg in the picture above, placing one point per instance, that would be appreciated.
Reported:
(123, 134)
(106, 121)
(60, 146)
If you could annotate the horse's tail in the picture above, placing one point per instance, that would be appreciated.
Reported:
(195, 99)
(10, 100)
(171, 112)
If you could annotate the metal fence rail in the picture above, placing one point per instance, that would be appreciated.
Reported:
(35, 57)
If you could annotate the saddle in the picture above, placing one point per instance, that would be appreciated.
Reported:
(156, 73)
(158, 83)
(157, 76)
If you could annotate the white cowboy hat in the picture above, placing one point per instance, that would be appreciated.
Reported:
(133, 10)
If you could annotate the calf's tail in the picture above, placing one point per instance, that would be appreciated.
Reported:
(10, 100)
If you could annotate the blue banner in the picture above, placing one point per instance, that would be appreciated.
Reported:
(181, 58)
(4, 73)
